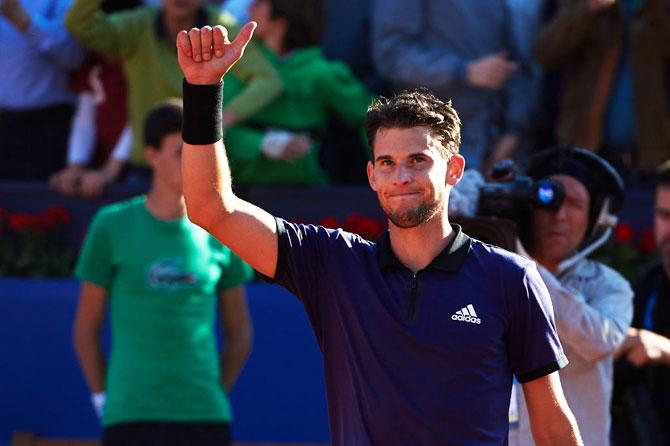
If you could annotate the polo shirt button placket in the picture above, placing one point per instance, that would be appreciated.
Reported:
(411, 305)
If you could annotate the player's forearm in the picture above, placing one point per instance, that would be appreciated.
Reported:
(91, 360)
(205, 171)
(207, 183)
(562, 430)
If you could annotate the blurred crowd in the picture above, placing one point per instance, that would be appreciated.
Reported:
(79, 77)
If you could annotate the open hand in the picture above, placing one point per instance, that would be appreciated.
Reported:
(490, 72)
(206, 54)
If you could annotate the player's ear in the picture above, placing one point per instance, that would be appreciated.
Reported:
(371, 176)
(455, 168)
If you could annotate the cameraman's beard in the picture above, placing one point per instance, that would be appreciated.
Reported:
(413, 217)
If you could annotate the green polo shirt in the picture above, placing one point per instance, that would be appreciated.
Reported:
(162, 279)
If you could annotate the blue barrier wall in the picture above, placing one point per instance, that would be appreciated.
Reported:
(279, 397)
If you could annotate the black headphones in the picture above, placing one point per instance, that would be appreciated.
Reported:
(603, 182)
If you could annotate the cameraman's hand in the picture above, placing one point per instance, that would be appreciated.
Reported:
(206, 54)
(490, 72)
(643, 347)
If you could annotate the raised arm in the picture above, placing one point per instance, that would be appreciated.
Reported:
(205, 55)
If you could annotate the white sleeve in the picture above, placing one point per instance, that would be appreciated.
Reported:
(593, 323)
(83, 132)
(124, 144)
(275, 142)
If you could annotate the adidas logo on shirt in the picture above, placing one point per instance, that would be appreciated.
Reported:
(466, 314)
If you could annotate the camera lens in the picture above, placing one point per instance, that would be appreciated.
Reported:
(549, 194)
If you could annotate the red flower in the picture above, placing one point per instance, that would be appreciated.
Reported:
(18, 221)
(24, 222)
(57, 215)
(4, 217)
(366, 227)
(329, 222)
(647, 241)
(623, 233)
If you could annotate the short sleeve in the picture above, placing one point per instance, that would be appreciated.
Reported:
(95, 258)
(235, 273)
(534, 347)
(307, 257)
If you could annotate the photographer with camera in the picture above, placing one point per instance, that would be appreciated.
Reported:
(577, 192)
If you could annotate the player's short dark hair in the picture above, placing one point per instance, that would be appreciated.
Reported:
(663, 175)
(417, 108)
(306, 21)
(162, 120)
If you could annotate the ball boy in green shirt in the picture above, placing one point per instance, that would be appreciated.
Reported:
(160, 276)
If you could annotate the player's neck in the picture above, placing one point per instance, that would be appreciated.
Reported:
(165, 204)
(416, 247)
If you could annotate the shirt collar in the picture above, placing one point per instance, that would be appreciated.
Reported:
(450, 259)
(161, 30)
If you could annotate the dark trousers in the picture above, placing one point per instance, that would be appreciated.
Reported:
(33, 143)
(167, 434)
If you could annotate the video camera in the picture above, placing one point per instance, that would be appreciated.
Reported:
(505, 203)
(510, 195)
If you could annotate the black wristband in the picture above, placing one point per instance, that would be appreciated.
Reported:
(202, 113)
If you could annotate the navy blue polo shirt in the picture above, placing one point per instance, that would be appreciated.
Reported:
(423, 359)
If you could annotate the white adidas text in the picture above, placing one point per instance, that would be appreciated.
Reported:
(466, 314)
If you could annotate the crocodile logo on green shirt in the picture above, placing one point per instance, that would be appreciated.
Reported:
(169, 274)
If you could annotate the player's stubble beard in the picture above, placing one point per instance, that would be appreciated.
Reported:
(415, 216)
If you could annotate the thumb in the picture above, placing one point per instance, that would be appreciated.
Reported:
(243, 38)
(504, 54)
